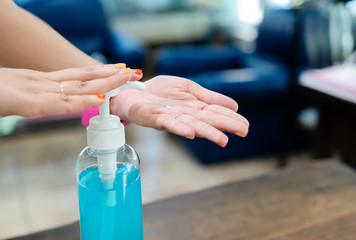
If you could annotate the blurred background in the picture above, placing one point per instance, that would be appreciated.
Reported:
(254, 51)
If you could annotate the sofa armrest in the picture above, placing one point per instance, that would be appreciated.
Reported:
(248, 83)
(190, 60)
(123, 47)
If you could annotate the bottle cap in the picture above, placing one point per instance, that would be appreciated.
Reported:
(105, 131)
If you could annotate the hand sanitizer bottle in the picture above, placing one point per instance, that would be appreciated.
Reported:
(108, 180)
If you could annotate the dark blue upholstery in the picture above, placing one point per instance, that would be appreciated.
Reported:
(190, 60)
(260, 82)
(84, 24)
(264, 117)
(275, 34)
(253, 82)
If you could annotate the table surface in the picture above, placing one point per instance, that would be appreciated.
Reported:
(333, 91)
(316, 201)
(336, 81)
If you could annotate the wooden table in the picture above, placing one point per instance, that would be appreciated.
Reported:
(313, 202)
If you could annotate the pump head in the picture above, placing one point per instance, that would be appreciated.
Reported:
(105, 131)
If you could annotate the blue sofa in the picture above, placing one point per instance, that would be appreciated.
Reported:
(262, 82)
(84, 24)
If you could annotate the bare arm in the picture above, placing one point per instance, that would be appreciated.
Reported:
(28, 42)
(168, 103)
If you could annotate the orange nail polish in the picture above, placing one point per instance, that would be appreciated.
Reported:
(120, 65)
(102, 96)
(191, 138)
(126, 70)
(238, 134)
(138, 71)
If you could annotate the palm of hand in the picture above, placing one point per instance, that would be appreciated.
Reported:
(181, 107)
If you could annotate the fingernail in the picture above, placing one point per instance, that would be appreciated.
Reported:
(102, 96)
(223, 144)
(138, 71)
(120, 65)
(125, 71)
(191, 138)
(238, 134)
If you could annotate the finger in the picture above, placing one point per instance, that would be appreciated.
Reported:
(71, 103)
(137, 74)
(166, 122)
(155, 118)
(93, 87)
(79, 103)
(56, 104)
(84, 73)
(211, 97)
(204, 130)
(223, 123)
(227, 112)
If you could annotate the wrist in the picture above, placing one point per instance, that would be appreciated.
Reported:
(119, 105)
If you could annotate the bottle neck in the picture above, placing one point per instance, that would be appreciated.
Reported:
(96, 152)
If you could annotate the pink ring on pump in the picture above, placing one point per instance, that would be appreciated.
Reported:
(92, 112)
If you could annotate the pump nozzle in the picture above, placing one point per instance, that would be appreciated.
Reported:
(105, 132)
(104, 109)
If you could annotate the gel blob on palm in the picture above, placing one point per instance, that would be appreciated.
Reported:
(108, 180)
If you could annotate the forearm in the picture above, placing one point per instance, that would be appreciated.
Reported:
(28, 42)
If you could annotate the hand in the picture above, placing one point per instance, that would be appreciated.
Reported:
(181, 107)
(31, 93)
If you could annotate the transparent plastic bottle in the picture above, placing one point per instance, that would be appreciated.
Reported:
(108, 179)
(109, 209)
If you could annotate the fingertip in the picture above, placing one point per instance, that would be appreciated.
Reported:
(137, 71)
(245, 122)
(225, 101)
(136, 77)
(120, 65)
(223, 144)
(190, 134)
(181, 130)
(223, 141)
(125, 71)
(187, 132)
(235, 106)
(240, 134)
(80, 103)
(230, 103)
(119, 79)
(101, 96)
(95, 100)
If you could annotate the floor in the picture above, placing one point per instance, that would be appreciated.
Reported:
(37, 174)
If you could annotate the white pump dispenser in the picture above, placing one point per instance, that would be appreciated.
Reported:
(106, 132)
(109, 179)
